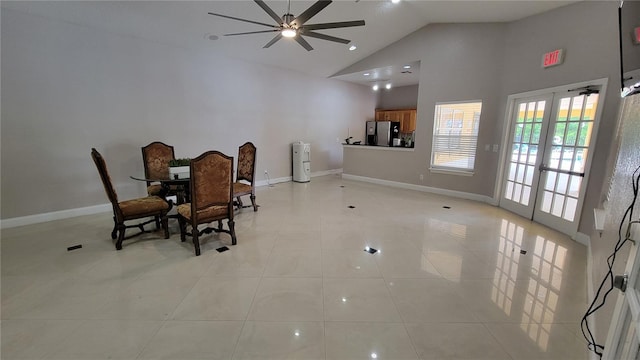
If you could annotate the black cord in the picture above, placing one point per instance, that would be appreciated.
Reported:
(609, 277)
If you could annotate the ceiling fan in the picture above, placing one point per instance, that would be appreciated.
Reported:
(294, 27)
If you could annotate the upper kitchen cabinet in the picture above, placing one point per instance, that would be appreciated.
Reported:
(406, 117)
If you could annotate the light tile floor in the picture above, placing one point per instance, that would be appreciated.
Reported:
(445, 284)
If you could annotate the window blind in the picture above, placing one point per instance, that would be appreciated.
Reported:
(455, 136)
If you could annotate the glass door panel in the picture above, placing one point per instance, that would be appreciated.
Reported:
(565, 159)
(528, 135)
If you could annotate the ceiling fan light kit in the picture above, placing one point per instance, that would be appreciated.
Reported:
(294, 27)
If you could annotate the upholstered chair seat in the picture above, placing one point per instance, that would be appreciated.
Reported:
(150, 204)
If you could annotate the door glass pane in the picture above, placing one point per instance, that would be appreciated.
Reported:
(564, 108)
(546, 201)
(517, 191)
(585, 134)
(512, 171)
(521, 113)
(576, 108)
(533, 154)
(580, 156)
(509, 191)
(574, 186)
(558, 203)
(563, 181)
(520, 176)
(530, 112)
(526, 133)
(554, 160)
(540, 111)
(567, 158)
(558, 134)
(550, 184)
(529, 177)
(572, 134)
(526, 193)
(535, 135)
(590, 107)
(570, 209)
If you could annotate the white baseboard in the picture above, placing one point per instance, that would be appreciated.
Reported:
(95, 209)
(452, 193)
(590, 295)
(55, 215)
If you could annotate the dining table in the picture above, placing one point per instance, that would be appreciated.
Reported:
(166, 184)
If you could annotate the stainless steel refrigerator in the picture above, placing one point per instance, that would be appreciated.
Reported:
(386, 131)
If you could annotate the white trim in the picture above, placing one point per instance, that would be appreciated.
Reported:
(451, 172)
(511, 99)
(428, 189)
(583, 239)
(55, 215)
(590, 296)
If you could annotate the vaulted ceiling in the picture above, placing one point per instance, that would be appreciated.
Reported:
(186, 24)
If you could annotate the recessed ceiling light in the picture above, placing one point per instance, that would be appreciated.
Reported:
(352, 47)
(211, 37)
(366, 74)
(407, 67)
(375, 87)
(388, 86)
(395, 1)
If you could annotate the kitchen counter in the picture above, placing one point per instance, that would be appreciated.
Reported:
(373, 147)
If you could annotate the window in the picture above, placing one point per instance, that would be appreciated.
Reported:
(455, 136)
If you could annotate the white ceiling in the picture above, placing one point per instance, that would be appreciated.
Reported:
(186, 24)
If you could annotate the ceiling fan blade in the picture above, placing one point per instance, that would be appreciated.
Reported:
(310, 12)
(334, 25)
(303, 42)
(245, 20)
(268, 10)
(273, 41)
(252, 32)
(326, 37)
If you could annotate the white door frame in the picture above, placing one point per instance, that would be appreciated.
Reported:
(509, 112)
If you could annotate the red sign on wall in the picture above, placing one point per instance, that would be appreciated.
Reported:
(552, 58)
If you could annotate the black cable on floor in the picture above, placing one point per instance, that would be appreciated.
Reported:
(609, 277)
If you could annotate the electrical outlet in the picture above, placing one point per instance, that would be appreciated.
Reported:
(421, 177)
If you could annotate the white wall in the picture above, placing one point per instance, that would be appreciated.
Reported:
(68, 88)
(401, 97)
(457, 62)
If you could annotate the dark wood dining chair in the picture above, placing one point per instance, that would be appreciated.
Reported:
(245, 178)
(123, 211)
(155, 158)
(211, 197)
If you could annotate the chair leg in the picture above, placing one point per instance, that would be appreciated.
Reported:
(239, 202)
(165, 226)
(183, 228)
(114, 232)
(232, 231)
(196, 241)
(157, 222)
(253, 202)
(121, 229)
(219, 224)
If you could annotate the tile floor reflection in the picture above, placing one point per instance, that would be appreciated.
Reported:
(446, 284)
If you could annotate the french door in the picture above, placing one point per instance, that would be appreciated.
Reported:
(548, 157)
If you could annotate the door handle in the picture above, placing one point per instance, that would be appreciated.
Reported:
(544, 167)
